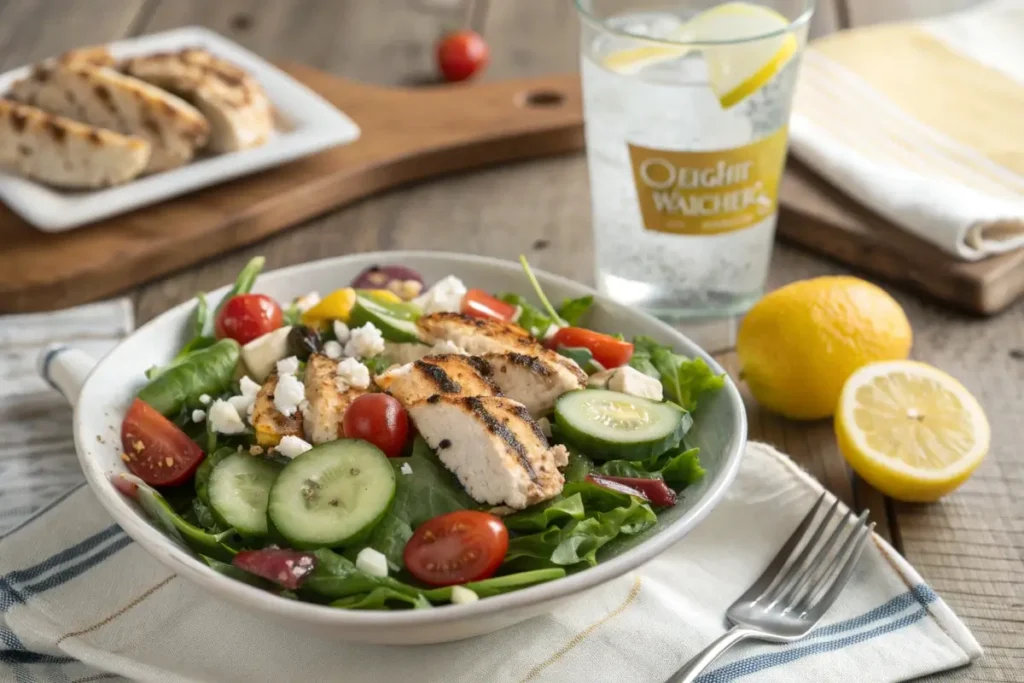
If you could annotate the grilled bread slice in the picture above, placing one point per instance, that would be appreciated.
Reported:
(236, 105)
(100, 96)
(66, 153)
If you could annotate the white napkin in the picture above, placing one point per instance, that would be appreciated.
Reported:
(921, 123)
(79, 601)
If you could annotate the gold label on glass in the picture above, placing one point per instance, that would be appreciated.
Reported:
(704, 193)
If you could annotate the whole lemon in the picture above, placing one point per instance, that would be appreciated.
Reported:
(799, 344)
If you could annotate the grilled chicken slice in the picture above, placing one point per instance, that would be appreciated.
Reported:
(271, 424)
(493, 446)
(482, 337)
(325, 405)
(401, 353)
(534, 381)
(66, 153)
(100, 96)
(450, 374)
(238, 109)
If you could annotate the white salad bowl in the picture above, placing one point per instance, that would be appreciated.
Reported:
(102, 392)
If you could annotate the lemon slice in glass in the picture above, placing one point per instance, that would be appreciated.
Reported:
(910, 430)
(737, 67)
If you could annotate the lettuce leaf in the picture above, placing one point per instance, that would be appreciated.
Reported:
(678, 470)
(572, 311)
(683, 379)
(531, 318)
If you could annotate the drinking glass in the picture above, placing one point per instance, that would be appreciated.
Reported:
(686, 141)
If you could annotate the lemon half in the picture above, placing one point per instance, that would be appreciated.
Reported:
(910, 430)
(736, 70)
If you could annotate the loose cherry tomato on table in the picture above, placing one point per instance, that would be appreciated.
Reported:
(248, 316)
(607, 350)
(480, 304)
(461, 54)
(379, 419)
(457, 547)
(156, 451)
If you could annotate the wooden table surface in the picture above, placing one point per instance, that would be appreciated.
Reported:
(969, 547)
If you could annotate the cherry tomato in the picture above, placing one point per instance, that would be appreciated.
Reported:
(462, 546)
(480, 304)
(379, 419)
(155, 450)
(461, 54)
(608, 351)
(248, 316)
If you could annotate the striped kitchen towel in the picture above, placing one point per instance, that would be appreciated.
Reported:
(921, 122)
(80, 602)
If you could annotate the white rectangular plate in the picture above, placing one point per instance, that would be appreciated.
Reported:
(306, 124)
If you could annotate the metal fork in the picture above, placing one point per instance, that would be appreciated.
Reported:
(796, 589)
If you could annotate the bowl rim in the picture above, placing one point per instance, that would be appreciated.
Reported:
(182, 562)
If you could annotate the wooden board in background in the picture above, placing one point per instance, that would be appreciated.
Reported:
(410, 135)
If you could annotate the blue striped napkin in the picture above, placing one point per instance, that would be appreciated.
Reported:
(79, 601)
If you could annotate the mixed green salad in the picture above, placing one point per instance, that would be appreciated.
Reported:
(392, 445)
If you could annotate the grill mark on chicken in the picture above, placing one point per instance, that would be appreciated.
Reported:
(445, 443)
(480, 365)
(440, 378)
(524, 414)
(531, 363)
(434, 399)
(501, 430)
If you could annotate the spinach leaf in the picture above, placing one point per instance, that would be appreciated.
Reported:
(335, 576)
(683, 379)
(541, 516)
(573, 310)
(207, 371)
(293, 314)
(180, 530)
(498, 584)
(382, 598)
(205, 518)
(583, 356)
(430, 490)
(197, 323)
(531, 318)
(678, 470)
(237, 574)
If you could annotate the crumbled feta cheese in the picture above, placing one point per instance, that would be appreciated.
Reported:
(352, 373)
(545, 426)
(599, 380)
(224, 419)
(628, 380)
(445, 296)
(205, 399)
(292, 446)
(551, 331)
(406, 468)
(307, 301)
(341, 331)
(333, 349)
(248, 387)
(462, 595)
(365, 342)
(288, 394)
(372, 562)
(288, 366)
(242, 404)
(198, 415)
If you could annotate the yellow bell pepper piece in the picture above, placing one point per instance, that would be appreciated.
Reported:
(382, 296)
(335, 306)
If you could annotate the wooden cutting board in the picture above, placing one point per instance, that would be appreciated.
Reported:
(409, 135)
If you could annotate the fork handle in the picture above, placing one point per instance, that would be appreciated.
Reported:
(693, 668)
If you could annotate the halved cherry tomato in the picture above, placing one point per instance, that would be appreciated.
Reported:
(462, 546)
(155, 450)
(248, 316)
(480, 304)
(461, 54)
(608, 351)
(379, 419)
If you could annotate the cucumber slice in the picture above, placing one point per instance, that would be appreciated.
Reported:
(609, 425)
(332, 494)
(239, 489)
(396, 322)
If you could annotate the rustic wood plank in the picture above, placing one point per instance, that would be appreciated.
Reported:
(31, 30)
